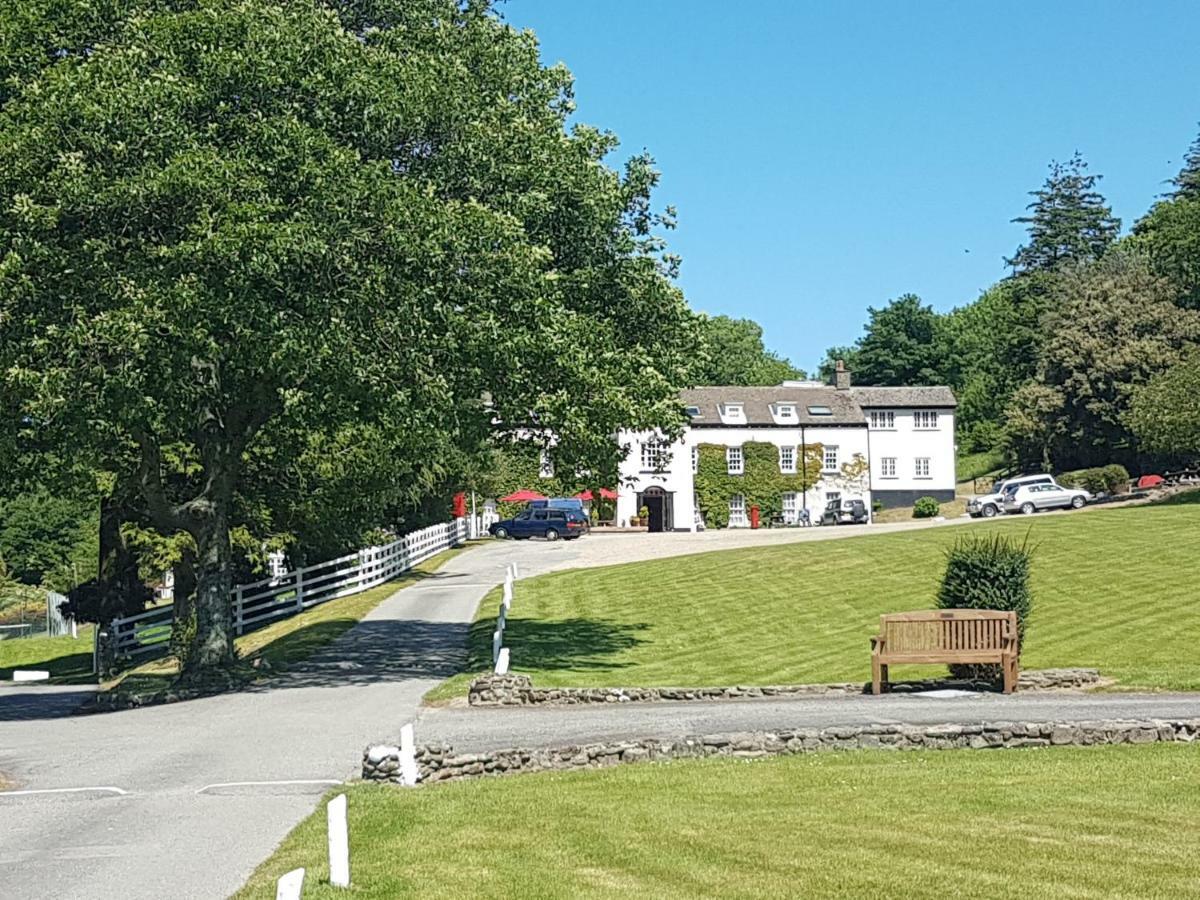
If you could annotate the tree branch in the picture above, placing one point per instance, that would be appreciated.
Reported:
(166, 516)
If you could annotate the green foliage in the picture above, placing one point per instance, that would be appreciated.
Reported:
(901, 345)
(1110, 479)
(988, 571)
(762, 484)
(1187, 182)
(732, 353)
(926, 508)
(49, 540)
(317, 250)
(1165, 412)
(1069, 220)
(1170, 235)
(828, 365)
(1114, 325)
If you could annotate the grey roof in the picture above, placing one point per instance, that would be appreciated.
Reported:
(937, 396)
(757, 402)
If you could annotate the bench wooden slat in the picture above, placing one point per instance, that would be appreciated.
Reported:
(946, 636)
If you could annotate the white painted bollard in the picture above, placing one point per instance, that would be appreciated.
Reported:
(30, 675)
(339, 842)
(502, 662)
(409, 775)
(289, 886)
(74, 629)
(516, 573)
(497, 639)
(506, 599)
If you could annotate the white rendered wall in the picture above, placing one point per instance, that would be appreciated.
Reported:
(905, 444)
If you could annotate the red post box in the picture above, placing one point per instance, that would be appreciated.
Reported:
(754, 517)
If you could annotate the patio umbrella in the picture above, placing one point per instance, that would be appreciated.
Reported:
(522, 496)
(605, 494)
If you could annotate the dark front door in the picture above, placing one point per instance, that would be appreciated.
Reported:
(658, 504)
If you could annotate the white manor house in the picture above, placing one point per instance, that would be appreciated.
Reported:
(886, 444)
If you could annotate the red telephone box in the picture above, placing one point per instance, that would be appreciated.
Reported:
(754, 517)
(460, 504)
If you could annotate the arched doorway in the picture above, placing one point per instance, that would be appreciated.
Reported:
(661, 507)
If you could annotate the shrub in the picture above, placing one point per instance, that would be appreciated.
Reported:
(988, 571)
(926, 508)
(1116, 478)
(877, 506)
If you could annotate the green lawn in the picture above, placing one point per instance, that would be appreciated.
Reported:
(286, 641)
(1115, 589)
(1079, 822)
(65, 658)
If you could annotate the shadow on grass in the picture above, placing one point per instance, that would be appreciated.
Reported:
(72, 669)
(566, 644)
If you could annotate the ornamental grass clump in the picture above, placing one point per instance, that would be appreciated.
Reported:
(988, 571)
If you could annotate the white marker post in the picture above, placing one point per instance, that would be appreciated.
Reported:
(506, 600)
(502, 662)
(497, 639)
(339, 842)
(409, 775)
(290, 885)
(516, 573)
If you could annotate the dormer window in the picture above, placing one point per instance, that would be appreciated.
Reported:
(820, 411)
(733, 414)
(784, 414)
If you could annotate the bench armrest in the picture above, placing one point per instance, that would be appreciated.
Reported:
(878, 641)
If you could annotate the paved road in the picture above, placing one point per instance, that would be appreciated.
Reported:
(470, 730)
(178, 818)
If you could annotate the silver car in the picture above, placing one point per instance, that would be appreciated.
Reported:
(1029, 498)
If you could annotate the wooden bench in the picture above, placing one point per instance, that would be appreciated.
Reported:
(945, 636)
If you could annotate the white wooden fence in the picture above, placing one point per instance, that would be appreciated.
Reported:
(148, 634)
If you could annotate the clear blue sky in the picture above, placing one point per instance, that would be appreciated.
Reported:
(826, 157)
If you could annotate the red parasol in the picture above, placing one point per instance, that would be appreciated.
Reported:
(522, 496)
(605, 494)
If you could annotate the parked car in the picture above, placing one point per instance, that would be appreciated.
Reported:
(1029, 498)
(993, 504)
(845, 512)
(550, 524)
(572, 504)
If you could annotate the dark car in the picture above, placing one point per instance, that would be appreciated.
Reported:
(845, 512)
(550, 524)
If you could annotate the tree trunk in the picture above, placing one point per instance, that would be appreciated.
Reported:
(183, 627)
(213, 643)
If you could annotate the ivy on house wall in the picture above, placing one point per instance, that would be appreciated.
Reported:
(762, 484)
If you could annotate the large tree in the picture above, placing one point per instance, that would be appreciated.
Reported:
(1165, 413)
(234, 228)
(901, 346)
(1170, 231)
(1069, 220)
(733, 352)
(1114, 326)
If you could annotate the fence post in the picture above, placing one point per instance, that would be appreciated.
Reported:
(299, 589)
(237, 609)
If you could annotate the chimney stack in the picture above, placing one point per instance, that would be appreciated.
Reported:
(841, 376)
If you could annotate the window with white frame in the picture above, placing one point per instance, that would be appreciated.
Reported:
(546, 465)
(733, 413)
(695, 458)
(784, 413)
(654, 455)
(787, 460)
(925, 419)
(887, 467)
(790, 513)
(830, 458)
(833, 497)
(734, 461)
(882, 419)
(921, 469)
(737, 511)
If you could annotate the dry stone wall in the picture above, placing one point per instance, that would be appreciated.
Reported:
(518, 690)
(439, 762)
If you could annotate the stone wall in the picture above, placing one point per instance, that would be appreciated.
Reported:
(518, 690)
(439, 762)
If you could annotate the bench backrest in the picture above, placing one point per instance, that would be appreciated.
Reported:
(947, 629)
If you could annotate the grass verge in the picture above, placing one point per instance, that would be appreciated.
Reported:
(1113, 588)
(67, 659)
(1105, 821)
(271, 650)
(976, 465)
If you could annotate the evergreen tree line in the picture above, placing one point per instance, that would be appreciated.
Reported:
(1080, 356)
